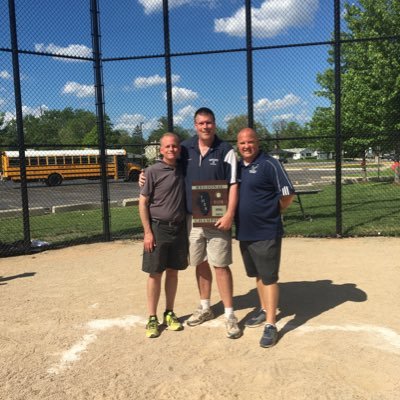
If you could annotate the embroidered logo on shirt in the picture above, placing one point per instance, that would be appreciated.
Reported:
(213, 161)
(253, 169)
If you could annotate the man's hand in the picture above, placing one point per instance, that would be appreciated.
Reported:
(142, 178)
(224, 223)
(149, 242)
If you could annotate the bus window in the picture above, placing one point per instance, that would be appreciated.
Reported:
(92, 160)
(14, 162)
(33, 160)
(85, 160)
(76, 160)
(42, 161)
(68, 160)
(51, 160)
(59, 160)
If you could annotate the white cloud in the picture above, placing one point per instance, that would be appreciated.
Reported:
(183, 114)
(151, 6)
(129, 122)
(5, 74)
(75, 50)
(26, 110)
(2, 101)
(146, 81)
(302, 117)
(180, 95)
(264, 105)
(78, 89)
(228, 117)
(272, 18)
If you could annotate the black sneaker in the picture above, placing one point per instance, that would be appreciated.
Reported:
(269, 337)
(257, 320)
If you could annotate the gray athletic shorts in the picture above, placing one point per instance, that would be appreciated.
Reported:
(209, 244)
(171, 249)
(262, 259)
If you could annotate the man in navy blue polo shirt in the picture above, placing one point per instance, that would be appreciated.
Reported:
(206, 157)
(265, 192)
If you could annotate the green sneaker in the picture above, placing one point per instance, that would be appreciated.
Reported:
(172, 322)
(152, 328)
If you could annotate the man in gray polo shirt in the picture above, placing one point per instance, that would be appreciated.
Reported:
(162, 212)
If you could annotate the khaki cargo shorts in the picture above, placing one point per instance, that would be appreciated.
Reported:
(209, 244)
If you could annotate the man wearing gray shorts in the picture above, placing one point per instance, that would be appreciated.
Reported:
(206, 157)
(163, 215)
(265, 192)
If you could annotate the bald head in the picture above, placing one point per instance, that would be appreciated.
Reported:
(248, 144)
(170, 148)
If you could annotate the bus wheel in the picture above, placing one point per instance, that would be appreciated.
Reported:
(54, 180)
(134, 176)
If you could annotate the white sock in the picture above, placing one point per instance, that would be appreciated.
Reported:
(228, 312)
(205, 304)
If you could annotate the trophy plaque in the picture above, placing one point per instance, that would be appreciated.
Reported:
(209, 202)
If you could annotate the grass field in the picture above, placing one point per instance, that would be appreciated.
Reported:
(368, 209)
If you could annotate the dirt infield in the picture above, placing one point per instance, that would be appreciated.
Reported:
(72, 327)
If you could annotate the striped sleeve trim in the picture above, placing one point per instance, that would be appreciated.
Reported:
(231, 159)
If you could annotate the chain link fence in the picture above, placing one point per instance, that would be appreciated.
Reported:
(88, 88)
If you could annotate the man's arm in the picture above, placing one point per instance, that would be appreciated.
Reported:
(148, 241)
(225, 222)
(142, 178)
(285, 202)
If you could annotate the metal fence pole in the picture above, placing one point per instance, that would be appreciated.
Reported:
(167, 50)
(338, 120)
(249, 59)
(20, 127)
(99, 93)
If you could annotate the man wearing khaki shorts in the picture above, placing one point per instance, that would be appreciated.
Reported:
(206, 157)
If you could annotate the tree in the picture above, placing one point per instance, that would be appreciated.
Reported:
(370, 80)
(8, 132)
(239, 122)
(322, 125)
(77, 124)
(162, 128)
(288, 130)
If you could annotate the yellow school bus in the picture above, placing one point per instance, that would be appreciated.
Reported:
(55, 166)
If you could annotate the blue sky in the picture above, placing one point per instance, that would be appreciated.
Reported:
(284, 79)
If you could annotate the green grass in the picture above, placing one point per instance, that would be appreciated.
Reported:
(369, 209)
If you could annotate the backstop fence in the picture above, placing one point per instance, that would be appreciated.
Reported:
(318, 80)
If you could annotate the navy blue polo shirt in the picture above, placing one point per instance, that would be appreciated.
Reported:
(219, 163)
(262, 183)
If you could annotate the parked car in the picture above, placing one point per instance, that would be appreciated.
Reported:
(283, 160)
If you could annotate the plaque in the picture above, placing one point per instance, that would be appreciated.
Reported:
(209, 202)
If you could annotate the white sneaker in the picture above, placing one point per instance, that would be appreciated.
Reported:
(232, 329)
(199, 316)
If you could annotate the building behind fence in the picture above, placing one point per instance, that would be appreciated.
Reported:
(318, 80)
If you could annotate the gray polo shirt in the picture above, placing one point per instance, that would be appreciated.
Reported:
(165, 189)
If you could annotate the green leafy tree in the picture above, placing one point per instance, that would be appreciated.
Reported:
(239, 122)
(370, 80)
(288, 130)
(162, 128)
(8, 132)
(77, 125)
